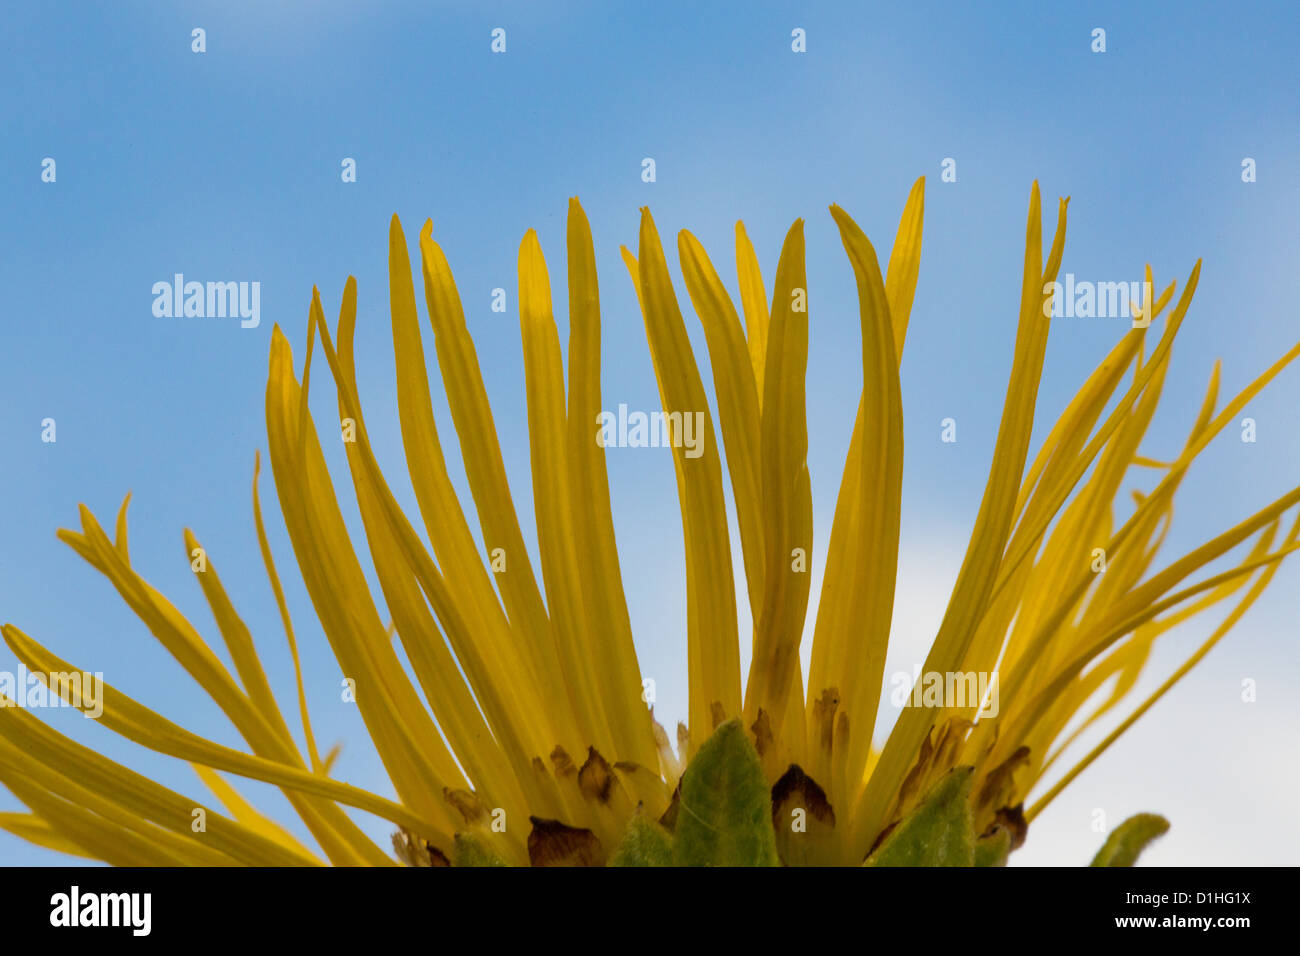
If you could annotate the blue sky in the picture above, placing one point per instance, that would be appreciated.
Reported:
(226, 166)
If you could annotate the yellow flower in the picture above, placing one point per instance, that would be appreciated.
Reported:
(518, 731)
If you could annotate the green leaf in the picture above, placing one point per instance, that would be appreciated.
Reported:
(939, 832)
(1129, 839)
(993, 848)
(725, 813)
(645, 843)
(471, 851)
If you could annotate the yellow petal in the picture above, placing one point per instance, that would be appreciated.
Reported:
(589, 506)
(787, 504)
(753, 300)
(852, 631)
(713, 653)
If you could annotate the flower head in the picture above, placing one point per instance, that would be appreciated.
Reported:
(513, 727)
